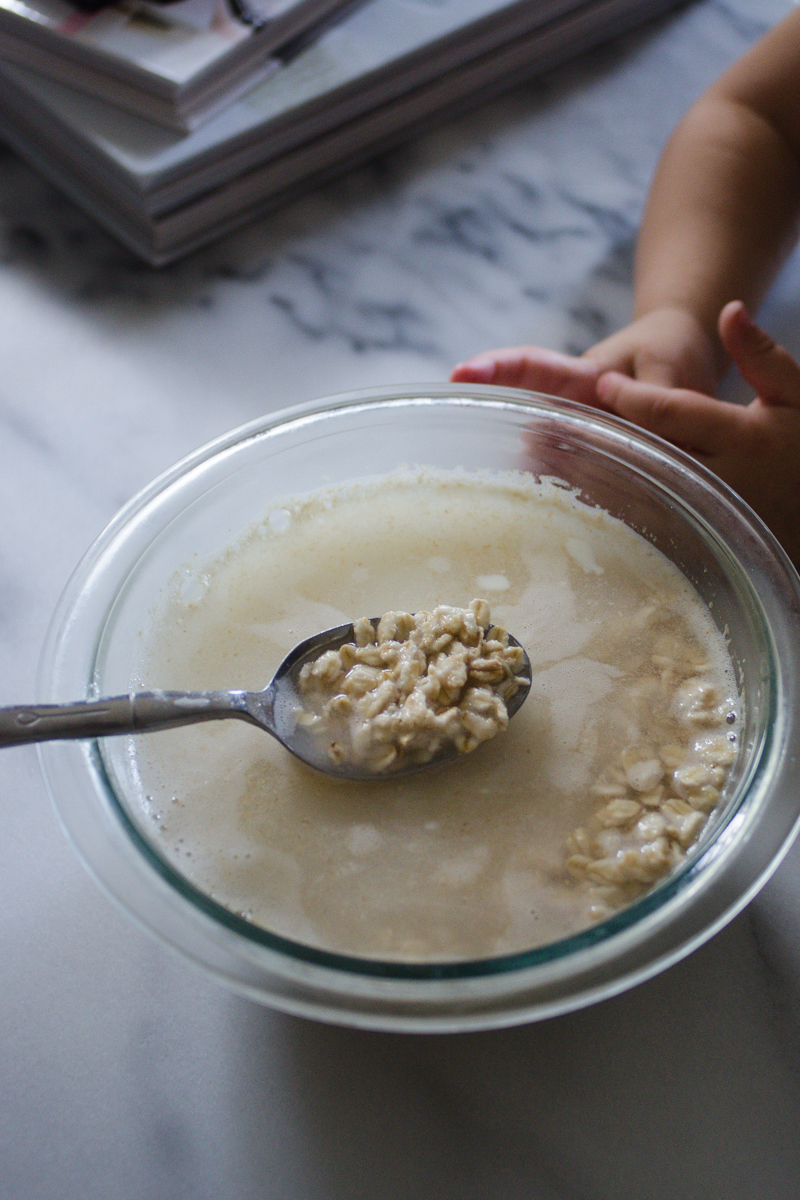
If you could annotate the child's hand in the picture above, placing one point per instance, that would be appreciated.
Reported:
(755, 449)
(667, 347)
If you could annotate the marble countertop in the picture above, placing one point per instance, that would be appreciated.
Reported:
(125, 1074)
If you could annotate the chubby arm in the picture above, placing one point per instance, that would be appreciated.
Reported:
(724, 205)
(722, 213)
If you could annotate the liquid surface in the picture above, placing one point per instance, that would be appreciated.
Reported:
(556, 822)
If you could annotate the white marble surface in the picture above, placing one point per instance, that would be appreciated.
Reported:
(124, 1073)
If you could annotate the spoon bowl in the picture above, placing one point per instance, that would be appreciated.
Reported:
(275, 709)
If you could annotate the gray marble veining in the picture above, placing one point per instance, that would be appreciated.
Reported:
(125, 1075)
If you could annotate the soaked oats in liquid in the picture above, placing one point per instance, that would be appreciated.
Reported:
(412, 686)
(598, 788)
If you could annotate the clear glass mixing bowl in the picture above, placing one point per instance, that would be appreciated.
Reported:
(196, 507)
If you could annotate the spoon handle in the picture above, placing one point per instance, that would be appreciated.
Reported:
(133, 713)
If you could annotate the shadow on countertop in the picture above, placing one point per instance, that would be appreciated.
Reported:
(666, 1091)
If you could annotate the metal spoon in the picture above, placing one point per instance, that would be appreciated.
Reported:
(274, 710)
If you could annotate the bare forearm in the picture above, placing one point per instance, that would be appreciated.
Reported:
(722, 214)
(724, 205)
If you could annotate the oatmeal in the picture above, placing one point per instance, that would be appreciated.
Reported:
(604, 781)
(411, 686)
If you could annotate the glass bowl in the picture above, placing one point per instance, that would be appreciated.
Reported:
(196, 508)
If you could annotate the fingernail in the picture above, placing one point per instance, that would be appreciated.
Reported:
(481, 370)
(607, 389)
(760, 342)
(605, 384)
(744, 316)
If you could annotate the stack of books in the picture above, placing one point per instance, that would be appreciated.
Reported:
(174, 122)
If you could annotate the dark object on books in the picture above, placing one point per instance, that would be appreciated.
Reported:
(94, 5)
(240, 9)
(237, 9)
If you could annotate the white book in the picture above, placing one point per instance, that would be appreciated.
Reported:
(172, 61)
(365, 84)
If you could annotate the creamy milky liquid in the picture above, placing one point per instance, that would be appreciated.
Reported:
(466, 861)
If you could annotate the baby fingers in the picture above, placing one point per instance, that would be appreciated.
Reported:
(690, 420)
(535, 369)
(766, 366)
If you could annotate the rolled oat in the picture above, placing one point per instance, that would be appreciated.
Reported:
(412, 685)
